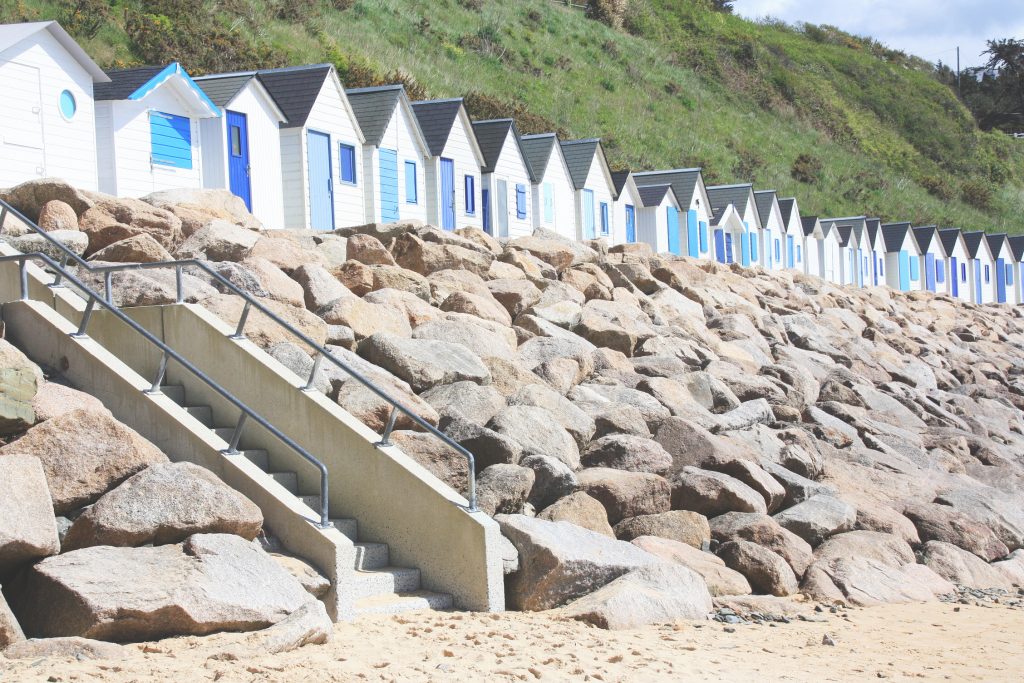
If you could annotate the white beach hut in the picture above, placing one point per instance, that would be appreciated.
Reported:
(980, 268)
(688, 186)
(47, 112)
(552, 192)
(954, 249)
(902, 257)
(772, 229)
(506, 187)
(593, 187)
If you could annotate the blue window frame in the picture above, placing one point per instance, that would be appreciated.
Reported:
(940, 270)
(881, 268)
(549, 203)
(604, 218)
(988, 275)
(347, 163)
(778, 251)
(963, 272)
(470, 195)
(1009, 273)
(799, 254)
(171, 139)
(914, 269)
(412, 192)
(753, 247)
(520, 201)
(703, 236)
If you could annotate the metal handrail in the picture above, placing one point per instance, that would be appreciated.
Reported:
(246, 413)
(251, 302)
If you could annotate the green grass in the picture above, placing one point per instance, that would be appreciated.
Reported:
(691, 88)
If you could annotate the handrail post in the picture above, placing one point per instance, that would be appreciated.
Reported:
(325, 515)
(3, 217)
(236, 436)
(108, 284)
(241, 321)
(86, 315)
(23, 275)
(59, 275)
(471, 492)
(385, 438)
(178, 288)
(311, 384)
(159, 379)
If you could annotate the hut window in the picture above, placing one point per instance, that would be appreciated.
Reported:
(171, 139)
(68, 105)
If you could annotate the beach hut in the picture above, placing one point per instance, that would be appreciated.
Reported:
(626, 207)
(147, 130)
(772, 229)
(1017, 288)
(902, 257)
(876, 255)
(792, 234)
(241, 148)
(658, 217)
(321, 148)
(506, 179)
(47, 111)
(853, 245)
(1002, 269)
(845, 263)
(394, 154)
(831, 253)
(741, 198)
(688, 186)
(813, 241)
(594, 190)
(981, 264)
(552, 190)
(954, 249)
(932, 260)
(453, 169)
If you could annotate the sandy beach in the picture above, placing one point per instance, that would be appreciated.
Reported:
(920, 642)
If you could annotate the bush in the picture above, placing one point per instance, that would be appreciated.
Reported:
(977, 193)
(937, 186)
(84, 18)
(482, 106)
(608, 12)
(806, 169)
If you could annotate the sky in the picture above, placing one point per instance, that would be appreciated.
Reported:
(931, 29)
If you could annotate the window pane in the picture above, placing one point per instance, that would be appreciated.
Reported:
(236, 141)
(411, 189)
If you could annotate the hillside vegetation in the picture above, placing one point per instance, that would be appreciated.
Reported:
(843, 123)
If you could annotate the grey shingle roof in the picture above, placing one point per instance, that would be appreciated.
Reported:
(948, 237)
(222, 89)
(619, 179)
(683, 182)
(763, 201)
(893, 234)
(873, 225)
(653, 195)
(808, 223)
(786, 209)
(537, 150)
(579, 154)
(995, 241)
(973, 242)
(924, 236)
(123, 82)
(845, 231)
(374, 108)
(1017, 246)
(295, 89)
(722, 196)
(436, 118)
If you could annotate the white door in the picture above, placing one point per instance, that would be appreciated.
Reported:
(21, 124)
(501, 212)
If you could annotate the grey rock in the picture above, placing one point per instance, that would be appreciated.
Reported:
(477, 403)
(720, 579)
(683, 526)
(798, 488)
(537, 432)
(582, 510)
(766, 571)
(28, 531)
(713, 493)
(553, 480)
(20, 380)
(626, 494)
(766, 532)
(627, 452)
(962, 567)
(424, 363)
(504, 488)
(575, 421)
(818, 517)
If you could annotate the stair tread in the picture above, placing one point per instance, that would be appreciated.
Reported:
(405, 601)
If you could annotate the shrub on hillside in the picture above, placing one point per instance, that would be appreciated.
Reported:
(977, 193)
(938, 186)
(84, 18)
(806, 169)
(609, 12)
(482, 106)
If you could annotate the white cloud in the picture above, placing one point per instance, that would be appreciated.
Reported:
(931, 29)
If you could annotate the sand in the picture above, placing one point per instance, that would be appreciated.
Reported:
(920, 642)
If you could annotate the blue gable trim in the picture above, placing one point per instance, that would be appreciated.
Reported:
(174, 69)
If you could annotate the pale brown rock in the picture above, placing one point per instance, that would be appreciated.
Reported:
(141, 248)
(57, 215)
(28, 531)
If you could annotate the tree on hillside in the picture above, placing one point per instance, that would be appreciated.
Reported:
(995, 91)
(725, 6)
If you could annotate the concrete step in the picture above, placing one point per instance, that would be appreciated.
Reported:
(385, 580)
(396, 603)
(258, 457)
(348, 527)
(371, 556)
(226, 432)
(175, 392)
(289, 480)
(312, 501)
(202, 413)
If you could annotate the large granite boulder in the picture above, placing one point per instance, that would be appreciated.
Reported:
(211, 582)
(962, 567)
(582, 510)
(719, 578)
(28, 530)
(713, 493)
(818, 517)
(764, 531)
(165, 503)
(560, 562)
(20, 379)
(626, 494)
(84, 454)
(424, 363)
(683, 526)
(657, 594)
(942, 523)
(766, 571)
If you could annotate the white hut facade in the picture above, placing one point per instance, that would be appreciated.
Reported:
(902, 257)
(47, 111)
(394, 154)
(658, 217)
(241, 150)
(954, 249)
(626, 207)
(813, 237)
(695, 219)
(453, 169)
(932, 259)
(876, 246)
(593, 187)
(552, 192)
(1003, 259)
(741, 198)
(981, 266)
(506, 187)
(772, 229)
(792, 234)
(147, 130)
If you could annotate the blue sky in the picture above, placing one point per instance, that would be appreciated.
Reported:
(927, 28)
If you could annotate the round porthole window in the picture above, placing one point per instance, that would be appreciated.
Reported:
(68, 106)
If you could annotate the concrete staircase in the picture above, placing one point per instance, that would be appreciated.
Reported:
(379, 588)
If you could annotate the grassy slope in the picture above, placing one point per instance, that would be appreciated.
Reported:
(743, 100)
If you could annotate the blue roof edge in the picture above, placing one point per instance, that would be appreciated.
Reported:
(171, 70)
